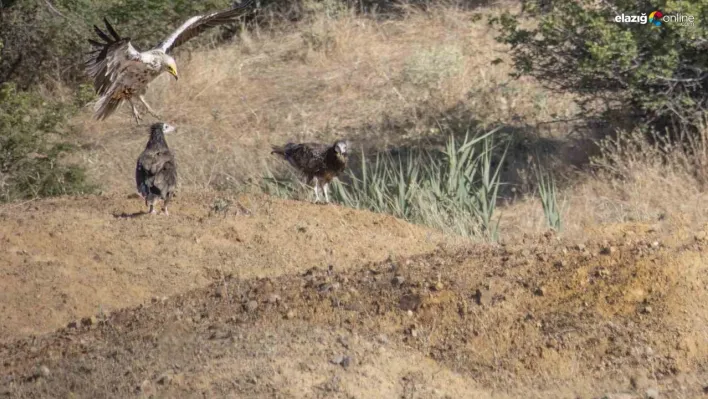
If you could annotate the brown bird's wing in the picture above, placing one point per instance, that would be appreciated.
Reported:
(196, 25)
(307, 157)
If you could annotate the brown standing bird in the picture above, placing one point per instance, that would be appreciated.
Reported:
(156, 171)
(318, 162)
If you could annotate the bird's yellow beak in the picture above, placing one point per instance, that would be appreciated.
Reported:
(173, 72)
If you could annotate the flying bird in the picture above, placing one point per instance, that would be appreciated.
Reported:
(318, 162)
(121, 72)
(156, 171)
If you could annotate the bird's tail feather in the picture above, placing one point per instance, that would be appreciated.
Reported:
(278, 151)
(106, 106)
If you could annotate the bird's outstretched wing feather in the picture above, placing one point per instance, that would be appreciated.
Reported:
(196, 25)
(105, 58)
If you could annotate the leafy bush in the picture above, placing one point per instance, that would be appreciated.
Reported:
(30, 158)
(653, 74)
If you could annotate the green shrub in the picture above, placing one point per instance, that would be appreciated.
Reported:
(31, 148)
(654, 75)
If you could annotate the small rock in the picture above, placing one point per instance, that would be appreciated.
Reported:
(273, 298)
(651, 393)
(483, 297)
(609, 250)
(655, 244)
(42, 371)
(89, 321)
(251, 306)
(540, 291)
(382, 339)
(700, 236)
(410, 302)
(438, 286)
(346, 362)
(409, 313)
(220, 291)
(164, 379)
(342, 360)
(647, 309)
(580, 247)
(290, 315)
(398, 280)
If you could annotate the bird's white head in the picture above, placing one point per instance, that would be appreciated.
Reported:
(341, 147)
(167, 128)
(161, 127)
(170, 65)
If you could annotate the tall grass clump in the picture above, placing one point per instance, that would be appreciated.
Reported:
(454, 190)
(548, 192)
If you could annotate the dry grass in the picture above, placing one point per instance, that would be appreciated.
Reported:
(380, 84)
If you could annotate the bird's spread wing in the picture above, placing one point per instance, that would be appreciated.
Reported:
(106, 57)
(196, 25)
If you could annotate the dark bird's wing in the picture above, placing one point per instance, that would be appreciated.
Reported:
(155, 172)
(307, 157)
(107, 57)
(196, 25)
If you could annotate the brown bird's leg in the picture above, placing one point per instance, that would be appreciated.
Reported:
(148, 107)
(136, 115)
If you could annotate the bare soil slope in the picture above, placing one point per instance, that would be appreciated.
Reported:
(625, 315)
(67, 258)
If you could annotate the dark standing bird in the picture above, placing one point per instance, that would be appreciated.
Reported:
(156, 171)
(318, 162)
(121, 72)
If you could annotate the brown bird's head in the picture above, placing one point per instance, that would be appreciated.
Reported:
(341, 148)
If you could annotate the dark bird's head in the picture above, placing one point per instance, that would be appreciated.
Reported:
(341, 148)
(158, 131)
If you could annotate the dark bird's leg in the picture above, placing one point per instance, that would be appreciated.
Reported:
(148, 107)
(136, 115)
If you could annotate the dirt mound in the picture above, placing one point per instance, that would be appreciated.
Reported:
(541, 319)
(67, 258)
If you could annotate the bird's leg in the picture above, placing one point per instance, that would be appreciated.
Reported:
(148, 107)
(152, 206)
(325, 188)
(164, 205)
(136, 115)
(317, 194)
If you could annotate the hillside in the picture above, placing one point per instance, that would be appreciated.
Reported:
(244, 303)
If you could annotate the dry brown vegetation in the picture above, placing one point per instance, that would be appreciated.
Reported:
(615, 303)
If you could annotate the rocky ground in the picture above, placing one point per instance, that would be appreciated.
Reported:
(253, 297)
